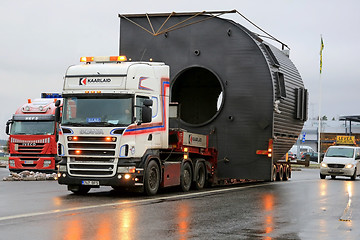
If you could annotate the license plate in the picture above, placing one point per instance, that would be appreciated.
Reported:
(29, 162)
(334, 171)
(92, 183)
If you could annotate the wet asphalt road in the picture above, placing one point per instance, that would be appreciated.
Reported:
(303, 208)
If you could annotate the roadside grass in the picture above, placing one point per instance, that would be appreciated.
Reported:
(312, 166)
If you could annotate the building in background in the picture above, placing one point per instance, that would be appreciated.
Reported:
(346, 125)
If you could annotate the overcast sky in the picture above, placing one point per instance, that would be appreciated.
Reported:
(39, 39)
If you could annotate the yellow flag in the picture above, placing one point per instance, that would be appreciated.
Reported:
(321, 49)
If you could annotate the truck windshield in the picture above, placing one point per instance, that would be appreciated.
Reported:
(95, 111)
(32, 128)
(340, 152)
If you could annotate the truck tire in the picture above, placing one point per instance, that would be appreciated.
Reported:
(78, 190)
(280, 174)
(152, 178)
(322, 176)
(286, 173)
(274, 173)
(186, 177)
(200, 175)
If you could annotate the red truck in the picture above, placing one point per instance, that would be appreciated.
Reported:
(33, 134)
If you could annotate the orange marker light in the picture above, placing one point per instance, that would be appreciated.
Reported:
(75, 138)
(118, 58)
(108, 139)
(77, 151)
(86, 59)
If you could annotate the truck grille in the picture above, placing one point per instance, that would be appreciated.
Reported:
(30, 146)
(97, 157)
(92, 146)
(31, 149)
(336, 165)
(87, 167)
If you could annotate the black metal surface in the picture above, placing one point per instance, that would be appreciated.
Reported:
(246, 75)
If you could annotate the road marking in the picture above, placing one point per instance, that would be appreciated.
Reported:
(160, 198)
(347, 213)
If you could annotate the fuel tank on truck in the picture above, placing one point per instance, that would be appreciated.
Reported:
(231, 85)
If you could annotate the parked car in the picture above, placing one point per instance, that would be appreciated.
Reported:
(291, 156)
(341, 161)
(313, 156)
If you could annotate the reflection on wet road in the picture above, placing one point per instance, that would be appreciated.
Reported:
(306, 207)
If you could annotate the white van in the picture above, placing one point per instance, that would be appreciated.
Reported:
(341, 161)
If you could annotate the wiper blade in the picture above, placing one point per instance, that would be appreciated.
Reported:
(74, 124)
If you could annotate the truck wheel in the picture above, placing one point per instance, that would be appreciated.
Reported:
(274, 173)
(186, 177)
(322, 176)
(353, 177)
(78, 190)
(286, 175)
(200, 175)
(152, 178)
(280, 174)
(333, 176)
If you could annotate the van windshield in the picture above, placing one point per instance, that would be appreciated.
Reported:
(340, 152)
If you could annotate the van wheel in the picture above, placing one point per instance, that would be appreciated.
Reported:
(186, 177)
(353, 177)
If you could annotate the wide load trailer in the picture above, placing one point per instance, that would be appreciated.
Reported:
(244, 93)
(33, 134)
(223, 106)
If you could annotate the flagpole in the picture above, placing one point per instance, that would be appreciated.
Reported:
(320, 98)
(319, 128)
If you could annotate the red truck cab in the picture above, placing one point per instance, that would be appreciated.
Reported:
(33, 134)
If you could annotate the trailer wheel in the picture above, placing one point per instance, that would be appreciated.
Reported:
(280, 173)
(78, 190)
(274, 173)
(152, 178)
(200, 175)
(286, 173)
(186, 177)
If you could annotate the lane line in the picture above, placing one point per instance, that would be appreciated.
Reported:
(142, 201)
(346, 217)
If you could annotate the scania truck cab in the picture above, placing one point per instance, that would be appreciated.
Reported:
(114, 118)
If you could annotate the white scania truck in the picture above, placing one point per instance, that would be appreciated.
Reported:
(115, 130)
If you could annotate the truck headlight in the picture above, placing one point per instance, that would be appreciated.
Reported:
(323, 165)
(12, 163)
(47, 163)
(126, 170)
(62, 168)
(349, 165)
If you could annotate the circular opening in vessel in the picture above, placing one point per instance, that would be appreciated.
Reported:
(199, 93)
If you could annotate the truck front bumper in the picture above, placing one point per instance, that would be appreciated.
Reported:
(119, 180)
